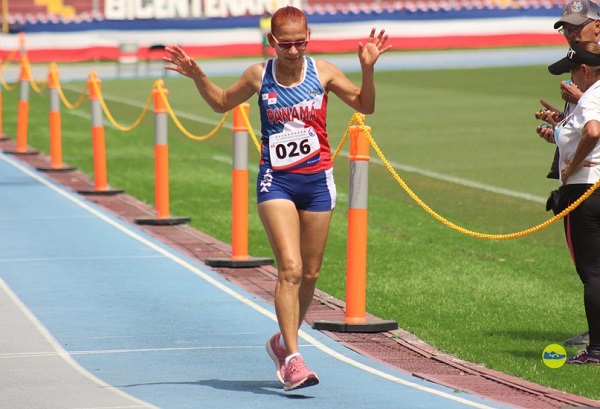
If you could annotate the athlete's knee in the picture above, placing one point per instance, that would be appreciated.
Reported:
(290, 272)
(310, 276)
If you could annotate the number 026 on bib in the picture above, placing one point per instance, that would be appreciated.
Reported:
(293, 149)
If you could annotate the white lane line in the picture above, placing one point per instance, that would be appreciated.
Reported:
(63, 353)
(234, 294)
(46, 218)
(28, 354)
(111, 407)
(457, 180)
(123, 351)
(25, 260)
(463, 182)
(14, 355)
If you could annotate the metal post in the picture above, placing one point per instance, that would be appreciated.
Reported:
(54, 120)
(239, 198)
(356, 256)
(23, 111)
(161, 163)
(98, 141)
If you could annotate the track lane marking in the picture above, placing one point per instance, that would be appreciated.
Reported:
(206, 277)
(63, 354)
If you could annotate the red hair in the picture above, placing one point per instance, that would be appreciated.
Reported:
(287, 14)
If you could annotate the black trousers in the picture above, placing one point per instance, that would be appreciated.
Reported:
(582, 231)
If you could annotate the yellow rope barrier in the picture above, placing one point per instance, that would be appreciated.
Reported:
(448, 223)
(37, 88)
(355, 118)
(110, 117)
(159, 86)
(344, 138)
(26, 69)
(10, 58)
(250, 130)
(7, 63)
(62, 95)
(5, 85)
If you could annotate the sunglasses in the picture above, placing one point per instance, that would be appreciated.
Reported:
(287, 45)
(574, 29)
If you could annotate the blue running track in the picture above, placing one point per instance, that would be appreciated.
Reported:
(94, 313)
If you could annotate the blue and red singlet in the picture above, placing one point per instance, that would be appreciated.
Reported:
(295, 159)
(294, 135)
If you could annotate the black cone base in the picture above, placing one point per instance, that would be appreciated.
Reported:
(246, 263)
(374, 325)
(163, 221)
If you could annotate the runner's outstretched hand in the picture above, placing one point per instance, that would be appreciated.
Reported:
(370, 52)
(180, 62)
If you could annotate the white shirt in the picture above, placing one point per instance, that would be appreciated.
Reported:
(569, 135)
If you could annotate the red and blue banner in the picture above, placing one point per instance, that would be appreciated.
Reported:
(411, 26)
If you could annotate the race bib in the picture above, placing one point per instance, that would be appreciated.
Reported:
(294, 148)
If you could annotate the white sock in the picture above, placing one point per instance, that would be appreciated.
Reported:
(289, 358)
(281, 343)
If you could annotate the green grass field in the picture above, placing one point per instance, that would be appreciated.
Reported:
(499, 303)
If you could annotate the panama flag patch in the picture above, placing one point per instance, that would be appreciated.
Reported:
(270, 97)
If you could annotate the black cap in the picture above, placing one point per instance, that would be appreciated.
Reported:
(577, 12)
(575, 57)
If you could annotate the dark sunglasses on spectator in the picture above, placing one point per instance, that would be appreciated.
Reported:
(574, 29)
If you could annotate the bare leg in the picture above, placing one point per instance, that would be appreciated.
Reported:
(281, 222)
(298, 240)
(314, 228)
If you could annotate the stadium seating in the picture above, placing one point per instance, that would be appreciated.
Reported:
(67, 9)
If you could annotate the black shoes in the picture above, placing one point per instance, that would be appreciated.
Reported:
(581, 339)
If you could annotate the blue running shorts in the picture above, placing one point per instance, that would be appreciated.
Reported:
(314, 192)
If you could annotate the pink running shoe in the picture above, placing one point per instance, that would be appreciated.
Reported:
(277, 354)
(297, 375)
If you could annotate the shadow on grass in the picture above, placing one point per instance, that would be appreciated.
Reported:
(539, 340)
(549, 337)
